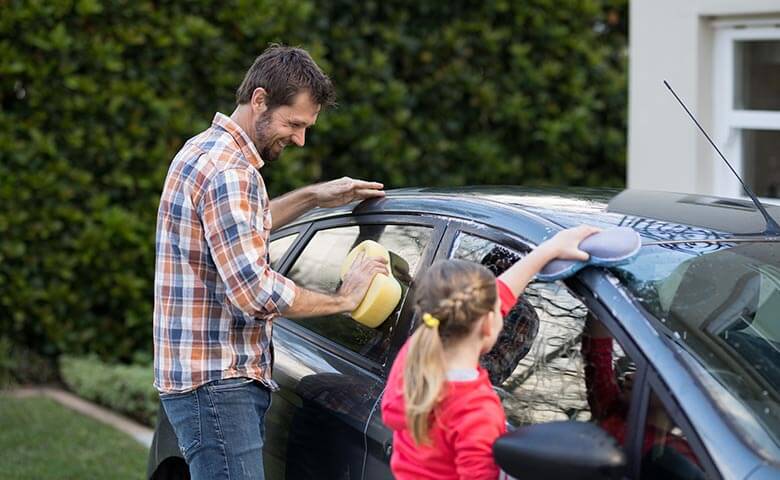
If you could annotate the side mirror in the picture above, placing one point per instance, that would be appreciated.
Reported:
(570, 450)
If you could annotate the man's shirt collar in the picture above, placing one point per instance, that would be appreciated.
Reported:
(241, 138)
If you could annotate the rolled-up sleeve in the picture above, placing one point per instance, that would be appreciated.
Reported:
(228, 209)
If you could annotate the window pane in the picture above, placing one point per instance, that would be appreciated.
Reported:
(666, 453)
(761, 160)
(521, 324)
(539, 361)
(757, 75)
(278, 248)
(319, 265)
(548, 384)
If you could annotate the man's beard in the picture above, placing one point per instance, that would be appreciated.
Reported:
(262, 138)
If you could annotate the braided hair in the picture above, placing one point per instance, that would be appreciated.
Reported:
(456, 294)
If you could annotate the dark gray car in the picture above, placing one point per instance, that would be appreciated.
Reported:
(686, 387)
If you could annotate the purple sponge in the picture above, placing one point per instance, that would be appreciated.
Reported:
(607, 248)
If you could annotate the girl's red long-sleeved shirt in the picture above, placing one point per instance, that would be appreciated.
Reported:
(465, 423)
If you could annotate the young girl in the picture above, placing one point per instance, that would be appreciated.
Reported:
(439, 403)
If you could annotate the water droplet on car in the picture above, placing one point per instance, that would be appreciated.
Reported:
(677, 335)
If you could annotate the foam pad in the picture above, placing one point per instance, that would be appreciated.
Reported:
(383, 294)
(608, 248)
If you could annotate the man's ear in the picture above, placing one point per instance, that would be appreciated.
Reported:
(258, 101)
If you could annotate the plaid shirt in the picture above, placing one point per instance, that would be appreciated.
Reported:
(214, 292)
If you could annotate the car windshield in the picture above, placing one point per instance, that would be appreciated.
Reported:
(721, 303)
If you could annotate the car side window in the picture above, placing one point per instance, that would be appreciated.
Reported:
(318, 267)
(278, 247)
(553, 360)
(666, 453)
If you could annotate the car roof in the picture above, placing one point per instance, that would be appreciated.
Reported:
(655, 215)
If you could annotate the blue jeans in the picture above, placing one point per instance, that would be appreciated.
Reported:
(220, 428)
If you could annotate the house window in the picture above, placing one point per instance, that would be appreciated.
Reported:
(746, 106)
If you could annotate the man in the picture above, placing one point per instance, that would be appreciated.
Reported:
(215, 294)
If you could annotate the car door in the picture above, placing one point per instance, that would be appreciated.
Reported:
(379, 446)
(330, 369)
(543, 366)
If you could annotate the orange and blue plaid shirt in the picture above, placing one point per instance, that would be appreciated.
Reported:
(215, 294)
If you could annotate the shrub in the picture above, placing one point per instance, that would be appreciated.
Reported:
(126, 389)
(96, 98)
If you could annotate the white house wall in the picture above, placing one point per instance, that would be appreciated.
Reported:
(673, 40)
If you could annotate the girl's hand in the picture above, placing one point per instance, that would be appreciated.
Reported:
(565, 244)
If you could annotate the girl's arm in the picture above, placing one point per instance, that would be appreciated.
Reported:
(563, 245)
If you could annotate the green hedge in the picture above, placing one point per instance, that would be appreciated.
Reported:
(125, 389)
(96, 97)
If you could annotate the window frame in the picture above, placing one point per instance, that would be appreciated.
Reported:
(639, 396)
(379, 368)
(729, 122)
(657, 386)
(486, 232)
(650, 380)
(282, 235)
(301, 230)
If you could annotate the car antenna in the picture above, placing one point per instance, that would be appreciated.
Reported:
(772, 228)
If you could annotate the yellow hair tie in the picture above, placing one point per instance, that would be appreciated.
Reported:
(430, 320)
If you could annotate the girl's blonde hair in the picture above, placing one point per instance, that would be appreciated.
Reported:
(455, 294)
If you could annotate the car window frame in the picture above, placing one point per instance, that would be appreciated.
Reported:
(647, 375)
(656, 385)
(301, 230)
(640, 395)
(378, 368)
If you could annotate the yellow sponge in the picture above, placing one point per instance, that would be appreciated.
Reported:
(383, 294)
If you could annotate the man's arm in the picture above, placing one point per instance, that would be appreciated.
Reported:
(292, 205)
(308, 303)
(238, 250)
(335, 193)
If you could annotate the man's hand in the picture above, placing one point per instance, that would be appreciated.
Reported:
(358, 279)
(335, 193)
(345, 190)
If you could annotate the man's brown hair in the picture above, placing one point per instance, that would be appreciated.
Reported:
(284, 72)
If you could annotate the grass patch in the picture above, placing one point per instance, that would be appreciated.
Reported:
(40, 438)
